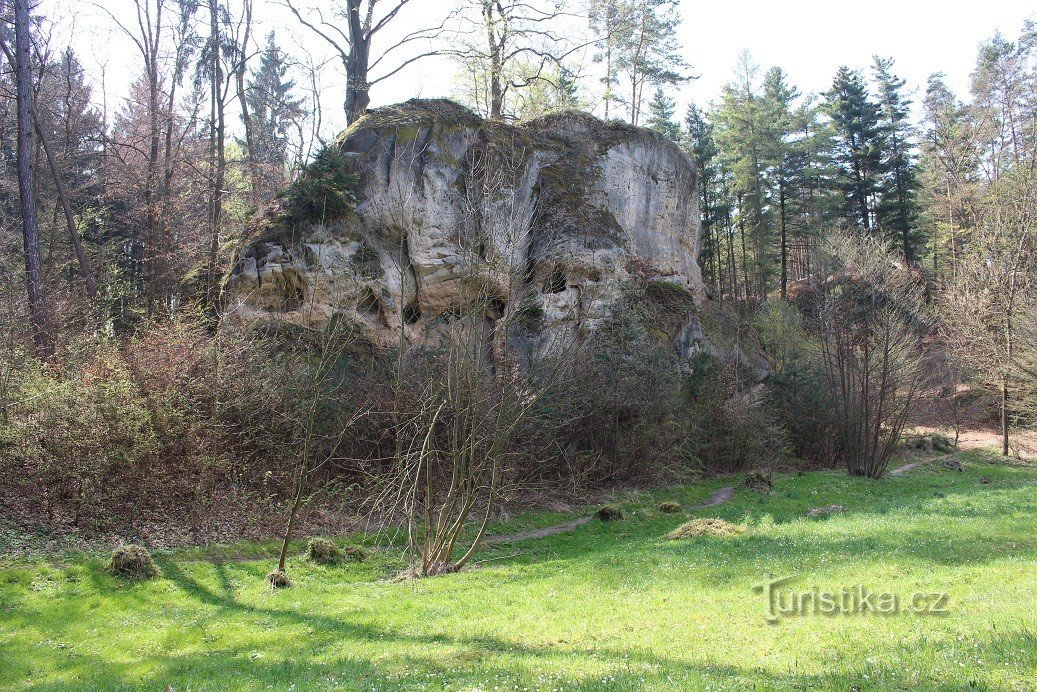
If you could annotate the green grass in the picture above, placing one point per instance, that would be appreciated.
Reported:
(610, 606)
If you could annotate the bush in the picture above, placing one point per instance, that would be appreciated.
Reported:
(323, 552)
(354, 553)
(610, 513)
(325, 189)
(705, 527)
(759, 481)
(670, 507)
(278, 579)
(133, 562)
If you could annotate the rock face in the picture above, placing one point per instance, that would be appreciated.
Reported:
(435, 216)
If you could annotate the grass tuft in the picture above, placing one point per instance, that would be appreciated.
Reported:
(132, 562)
(610, 513)
(706, 526)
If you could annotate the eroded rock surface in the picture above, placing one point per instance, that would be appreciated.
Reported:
(452, 219)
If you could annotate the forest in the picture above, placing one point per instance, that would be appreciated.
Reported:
(624, 338)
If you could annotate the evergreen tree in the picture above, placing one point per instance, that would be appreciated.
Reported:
(950, 164)
(612, 21)
(713, 195)
(649, 54)
(660, 115)
(897, 211)
(858, 141)
(743, 134)
(274, 109)
(786, 157)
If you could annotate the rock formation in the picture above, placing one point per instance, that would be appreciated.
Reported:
(423, 213)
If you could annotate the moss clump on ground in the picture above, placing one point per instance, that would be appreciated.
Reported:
(278, 579)
(759, 481)
(670, 507)
(132, 562)
(354, 553)
(323, 552)
(610, 513)
(705, 527)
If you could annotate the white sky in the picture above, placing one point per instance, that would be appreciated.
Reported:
(808, 38)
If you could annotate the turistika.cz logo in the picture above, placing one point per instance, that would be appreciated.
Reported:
(851, 600)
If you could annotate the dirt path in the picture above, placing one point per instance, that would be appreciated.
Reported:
(567, 527)
(907, 467)
(719, 497)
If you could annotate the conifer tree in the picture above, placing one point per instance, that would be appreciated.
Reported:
(660, 115)
(274, 111)
(857, 146)
(897, 211)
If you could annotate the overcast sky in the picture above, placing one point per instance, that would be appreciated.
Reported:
(808, 38)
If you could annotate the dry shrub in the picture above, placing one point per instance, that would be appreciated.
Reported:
(323, 552)
(610, 513)
(705, 527)
(355, 553)
(133, 562)
(278, 579)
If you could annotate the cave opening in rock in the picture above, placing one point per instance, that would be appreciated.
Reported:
(556, 283)
(495, 307)
(367, 304)
(411, 313)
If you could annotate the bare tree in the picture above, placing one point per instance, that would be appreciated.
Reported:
(872, 324)
(354, 44)
(521, 42)
(993, 290)
(59, 185)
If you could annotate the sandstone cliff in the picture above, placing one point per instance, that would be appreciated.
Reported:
(423, 213)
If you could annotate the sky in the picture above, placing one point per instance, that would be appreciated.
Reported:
(810, 39)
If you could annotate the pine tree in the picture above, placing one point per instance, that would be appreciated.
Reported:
(274, 110)
(897, 211)
(660, 115)
(786, 157)
(858, 141)
(743, 134)
(713, 195)
(649, 54)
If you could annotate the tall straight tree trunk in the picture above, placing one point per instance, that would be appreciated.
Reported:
(70, 220)
(218, 165)
(784, 243)
(1004, 415)
(30, 230)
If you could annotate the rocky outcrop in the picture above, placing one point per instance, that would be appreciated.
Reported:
(421, 215)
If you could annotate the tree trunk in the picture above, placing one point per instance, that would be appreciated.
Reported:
(784, 244)
(218, 127)
(70, 221)
(1004, 415)
(358, 88)
(30, 230)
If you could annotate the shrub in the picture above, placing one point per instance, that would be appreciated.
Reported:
(278, 579)
(323, 552)
(325, 189)
(670, 507)
(610, 513)
(355, 553)
(705, 527)
(759, 480)
(133, 562)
